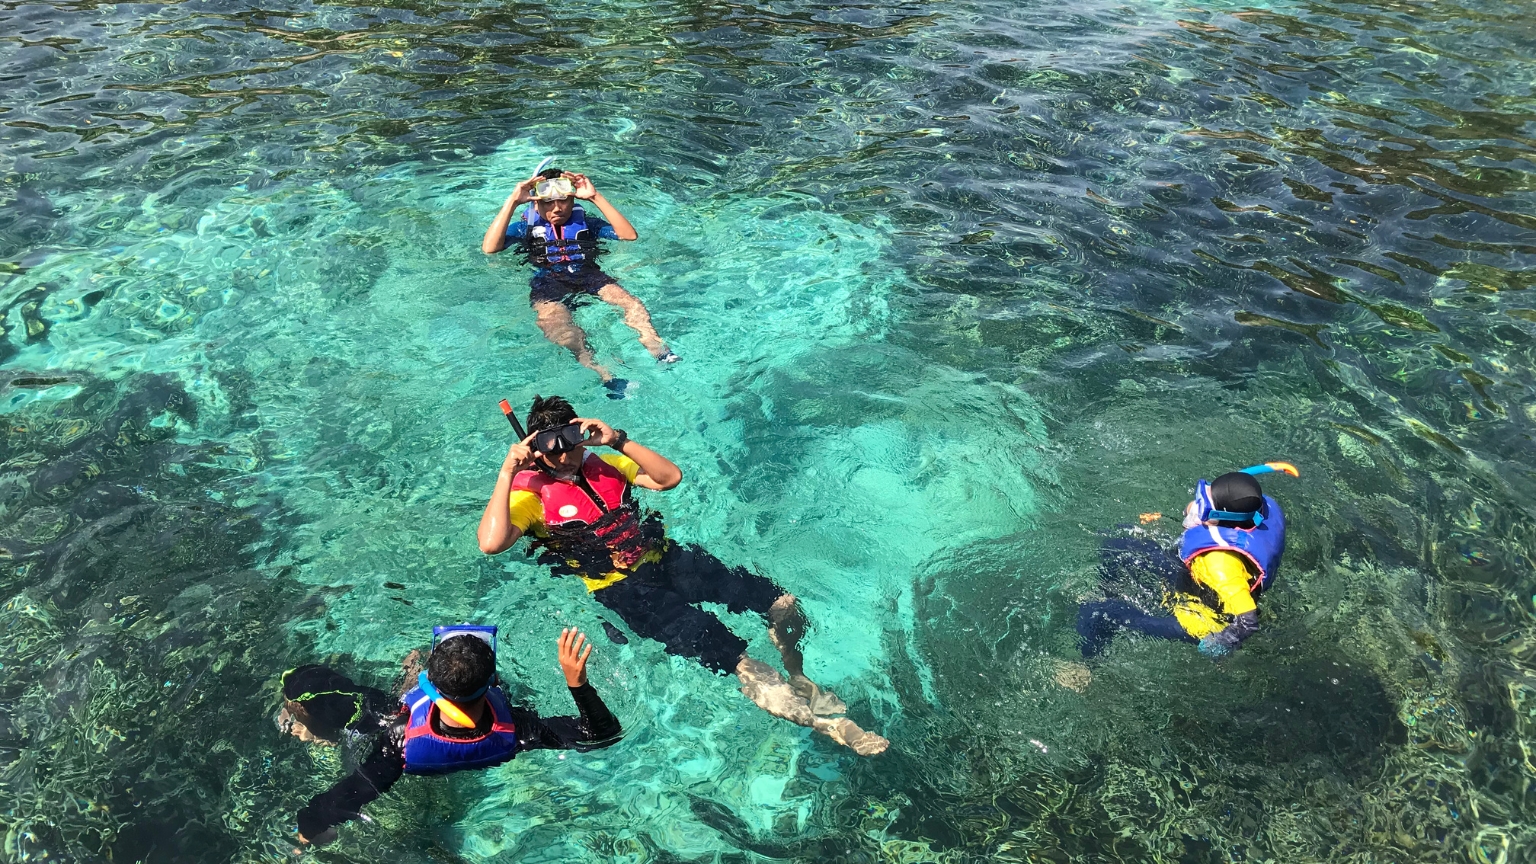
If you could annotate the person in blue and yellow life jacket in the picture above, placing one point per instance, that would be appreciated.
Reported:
(579, 512)
(560, 239)
(454, 718)
(1234, 536)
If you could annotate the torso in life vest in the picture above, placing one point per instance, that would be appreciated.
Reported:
(1261, 545)
(598, 527)
(564, 249)
(427, 752)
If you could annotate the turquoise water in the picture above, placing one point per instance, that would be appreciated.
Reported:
(959, 287)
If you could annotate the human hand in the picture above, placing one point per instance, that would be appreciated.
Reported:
(523, 191)
(574, 651)
(599, 434)
(584, 188)
(320, 839)
(519, 456)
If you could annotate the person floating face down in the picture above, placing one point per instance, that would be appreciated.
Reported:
(560, 239)
(1233, 538)
(454, 718)
(579, 510)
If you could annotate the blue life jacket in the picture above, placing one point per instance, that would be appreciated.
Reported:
(1261, 545)
(564, 249)
(427, 752)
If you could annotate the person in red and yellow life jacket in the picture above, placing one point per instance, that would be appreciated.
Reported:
(455, 718)
(1234, 536)
(560, 239)
(579, 511)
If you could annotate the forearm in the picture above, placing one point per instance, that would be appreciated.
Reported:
(656, 466)
(497, 533)
(594, 727)
(496, 235)
(598, 725)
(345, 801)
(620, 225)
(1241, 628)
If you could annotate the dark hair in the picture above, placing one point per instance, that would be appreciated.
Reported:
(550, 173)
(549, 413)
(460, 666)
(1237, 492)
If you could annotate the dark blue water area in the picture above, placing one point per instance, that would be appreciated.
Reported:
(962, 291)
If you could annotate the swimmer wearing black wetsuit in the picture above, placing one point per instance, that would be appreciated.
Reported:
(455, 718)
(579, 508)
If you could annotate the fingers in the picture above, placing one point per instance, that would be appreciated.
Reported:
(585, 654)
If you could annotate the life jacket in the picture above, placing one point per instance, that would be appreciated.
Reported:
(565, 248)
(1261, 545)
(599, 528)
(427, 752)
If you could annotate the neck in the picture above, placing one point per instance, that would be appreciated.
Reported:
(472, 709)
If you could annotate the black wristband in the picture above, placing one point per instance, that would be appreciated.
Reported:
(623, 439)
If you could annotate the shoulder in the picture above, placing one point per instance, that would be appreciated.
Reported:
(599, 226)
(518, 227)
(525, 508)
(625, 465)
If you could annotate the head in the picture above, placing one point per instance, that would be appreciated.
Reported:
(1237, 492)
(460, 666)
(552, 413)
(557, 211)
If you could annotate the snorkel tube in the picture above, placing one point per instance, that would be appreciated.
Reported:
(1271, 468)
(445, 705)
(543, 165)
(506, 408)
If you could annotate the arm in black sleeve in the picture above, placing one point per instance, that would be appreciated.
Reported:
(595, 728)
(1241, 628)
(345, 801)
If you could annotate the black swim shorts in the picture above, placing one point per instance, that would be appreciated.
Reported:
(656, 601)
(551, 285)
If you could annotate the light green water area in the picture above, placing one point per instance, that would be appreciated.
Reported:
(959, 287)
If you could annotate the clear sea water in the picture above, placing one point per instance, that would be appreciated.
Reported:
(959, 287)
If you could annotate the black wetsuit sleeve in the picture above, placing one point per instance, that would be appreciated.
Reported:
(1241, 628)
(594, 727)
(345, 801)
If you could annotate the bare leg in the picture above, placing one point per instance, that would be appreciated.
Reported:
(636, 316)
(765, 686)
(786, 624)
(560, 328)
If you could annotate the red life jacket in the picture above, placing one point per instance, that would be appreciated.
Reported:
(600, 527)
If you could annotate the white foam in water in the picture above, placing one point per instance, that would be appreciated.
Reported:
(372, 339)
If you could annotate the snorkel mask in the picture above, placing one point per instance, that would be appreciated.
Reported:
(485, 633)
(1207, 505)
(562, 439)
(554, 189)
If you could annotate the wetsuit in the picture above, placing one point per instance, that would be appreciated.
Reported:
(335, 706)
(655, 596)
(567, 278)
(1210, 598)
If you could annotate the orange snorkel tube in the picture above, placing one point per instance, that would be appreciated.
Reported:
(1272, 467)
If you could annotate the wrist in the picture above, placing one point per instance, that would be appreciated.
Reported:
(619, 441)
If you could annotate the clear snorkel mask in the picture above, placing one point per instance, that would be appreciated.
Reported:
(485, 633)
(554, 189)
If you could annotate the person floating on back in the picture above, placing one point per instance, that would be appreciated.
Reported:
(560, 239)
(1233, 539)
(455, 718)
(579, 509)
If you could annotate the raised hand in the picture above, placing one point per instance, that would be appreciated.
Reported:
(599, 434)
(523, 192)
(519, 456)
(584, 188)
(574, 651)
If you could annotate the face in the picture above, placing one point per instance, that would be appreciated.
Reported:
(556, 211)
(565, 463)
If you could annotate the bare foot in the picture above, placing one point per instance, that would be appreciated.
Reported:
(1073, 676)
(847, 733)
(824, 703)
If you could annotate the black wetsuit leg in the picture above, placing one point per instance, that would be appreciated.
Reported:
(656, 601)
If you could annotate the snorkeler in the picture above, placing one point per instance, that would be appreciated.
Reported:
(560, 240)
(1233, 539)
(579, 508)
(455, 719)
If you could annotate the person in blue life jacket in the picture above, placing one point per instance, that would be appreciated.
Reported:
(560, 239)
(454, 718)
(1234, 536)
